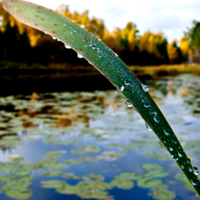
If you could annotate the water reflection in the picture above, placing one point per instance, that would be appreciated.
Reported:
(94, 146)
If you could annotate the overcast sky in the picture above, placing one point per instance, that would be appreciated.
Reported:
(170, 16)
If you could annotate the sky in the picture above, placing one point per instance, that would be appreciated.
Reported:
(172, 17)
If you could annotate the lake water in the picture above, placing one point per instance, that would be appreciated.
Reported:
(90, 145)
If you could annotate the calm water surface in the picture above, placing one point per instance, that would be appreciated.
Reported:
(90, 145)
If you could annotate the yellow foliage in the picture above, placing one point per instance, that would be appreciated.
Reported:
(172, 52)
(184, 46)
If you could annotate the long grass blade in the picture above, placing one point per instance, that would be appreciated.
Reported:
(112, 67)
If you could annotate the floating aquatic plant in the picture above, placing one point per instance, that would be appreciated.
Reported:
(113, 68)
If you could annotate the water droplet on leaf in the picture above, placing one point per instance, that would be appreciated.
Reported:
(156, 119)
(190, 169)
(82, 26)
(127, 82)
(54, 38)
(180, 155)
(146, 105)
(128, 103)
(166, 132)
(67, 46)
(171, 149)
(148, 127)
(195, 181)
(79, 55)
(145, 87)
(121, 88)
(196, 171)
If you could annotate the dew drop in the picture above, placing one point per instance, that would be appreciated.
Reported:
(156, 119)
(190, 169)
(82, 26)
(67, 46)
(175, 157)
(151, 112)
(171, 149)
(121, 88)
(182, 167)
(79, 55)
(166, 132)
(196, 171)
(145, 87)
(180, 155)
(116, 54)
(161, 144)
(127, 82)
(148, 127)
(94, 46)
(195, 181)
(99, 39)
(146, 105)
(128, 103)
(188, 161)
(54, 38)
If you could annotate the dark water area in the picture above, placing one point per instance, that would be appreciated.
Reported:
(75, 138)
(15, 81)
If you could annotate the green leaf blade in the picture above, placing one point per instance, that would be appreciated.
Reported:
(112, 67)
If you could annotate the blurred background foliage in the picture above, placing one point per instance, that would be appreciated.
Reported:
(19, 42)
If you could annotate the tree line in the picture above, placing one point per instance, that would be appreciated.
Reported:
(19, 42)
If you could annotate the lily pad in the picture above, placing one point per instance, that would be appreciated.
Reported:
(67, 189)
(163, 194)
(19, 194)
(152, 154)
(6, 178)
(74, 161)
(6, 166)
(17, 189)
(110, 155)
(151, 183)
(185, 182)
(70, 176)
(15, 157)
(93, 185)
(20, 171)
(90, 148)
(96, 177)
(53, 154)
(52, 173)
(53, 184)
(156, 174)
(78, 151)
(122, 184)
(150, 167)
(92, 194)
